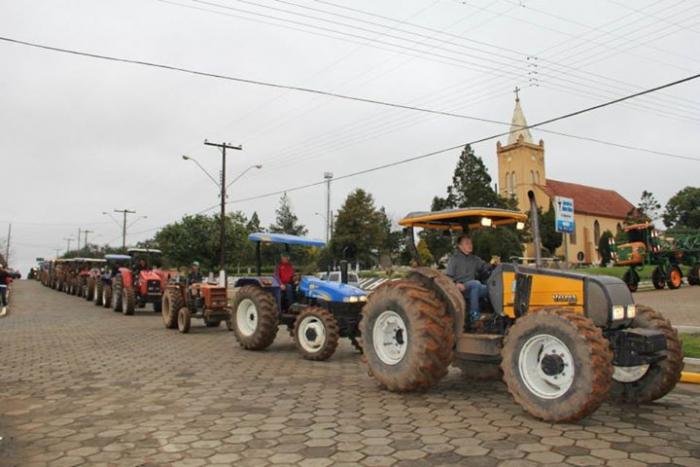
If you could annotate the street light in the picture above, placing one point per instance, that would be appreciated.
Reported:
(256, 166)
(188, 158)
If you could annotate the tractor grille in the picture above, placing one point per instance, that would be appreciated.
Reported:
(153, 286)
(218, 297)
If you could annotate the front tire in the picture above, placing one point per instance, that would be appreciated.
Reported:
(631, 278)
(99, 291)
(675, 278)
(557, 365)
(107, 296)
(90, 290)
(117, 294)
(694, 275)
(658, 278)
(184, 320)
(316, 334)
(658, 379)
(407, 336)
(255, 321)
(172, 303)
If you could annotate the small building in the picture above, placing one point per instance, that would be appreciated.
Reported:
(521, 168)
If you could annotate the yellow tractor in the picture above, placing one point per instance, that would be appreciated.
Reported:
(562, 342)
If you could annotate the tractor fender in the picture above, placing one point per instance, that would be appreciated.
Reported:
(265, 282)
(446, 290)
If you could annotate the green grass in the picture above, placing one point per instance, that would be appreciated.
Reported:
(691, 345)
(615, 271)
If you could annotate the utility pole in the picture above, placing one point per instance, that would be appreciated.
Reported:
(222, 233)
(86, 232)
(78, 237)
(7, 247)
(58, 251)
(124, 212)
(68, 240)
(328, 176)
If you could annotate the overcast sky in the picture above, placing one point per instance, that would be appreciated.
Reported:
(80, 136)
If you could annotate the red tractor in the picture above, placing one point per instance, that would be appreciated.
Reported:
(90, 270)
(183, 302)
(141, 283)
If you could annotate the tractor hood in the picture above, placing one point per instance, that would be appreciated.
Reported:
(313, 287)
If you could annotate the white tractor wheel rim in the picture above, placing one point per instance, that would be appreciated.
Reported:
(247, 317)
(390, 337)
(629, 374)
(546, 366)
(312, 334)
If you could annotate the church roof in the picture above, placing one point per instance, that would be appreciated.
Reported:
(518, 124)
(591, 200)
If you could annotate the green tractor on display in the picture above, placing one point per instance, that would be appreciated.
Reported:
(562, 342)
(645, 247)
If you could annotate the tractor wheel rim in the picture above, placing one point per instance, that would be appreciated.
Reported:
(675, 278)
(390, 337)
(629, 374)
(546, 366)
(247, 317)
(311, 334)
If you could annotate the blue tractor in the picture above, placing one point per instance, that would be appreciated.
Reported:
(318, 314)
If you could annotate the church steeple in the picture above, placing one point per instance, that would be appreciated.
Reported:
(518, 123)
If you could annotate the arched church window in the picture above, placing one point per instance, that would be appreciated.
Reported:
(537, 177)
(596, 233)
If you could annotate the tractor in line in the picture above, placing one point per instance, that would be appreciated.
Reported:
(317, 313)
(645, 247)
(562, 342)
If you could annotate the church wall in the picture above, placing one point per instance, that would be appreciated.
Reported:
(585, 236)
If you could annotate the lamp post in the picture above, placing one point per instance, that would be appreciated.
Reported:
(221, 184)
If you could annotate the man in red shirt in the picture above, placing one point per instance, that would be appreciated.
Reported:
(284, 272)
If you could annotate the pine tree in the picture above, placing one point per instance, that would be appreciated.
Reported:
(426, 257)
(471, 183)
(253, 224)
(647, 210)
(360, 228)
(286, 221)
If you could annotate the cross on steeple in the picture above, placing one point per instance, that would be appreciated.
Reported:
(516, 91)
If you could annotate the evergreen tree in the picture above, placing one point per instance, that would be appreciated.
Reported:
(683, 209)
(286, 221)
(439, 242)
(426, 257)
(604, 248)
(253, 224)
(360, 229)
(471, 184)
(647, 210)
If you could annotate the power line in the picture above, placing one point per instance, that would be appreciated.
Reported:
(480, 140)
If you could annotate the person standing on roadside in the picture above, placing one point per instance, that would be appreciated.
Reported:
(5, 279)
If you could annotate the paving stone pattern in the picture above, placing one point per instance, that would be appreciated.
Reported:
(81, 385)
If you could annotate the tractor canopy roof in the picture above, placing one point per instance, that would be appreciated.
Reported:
(90, 260)
(463, 218)
(284, 238)
(639, 227)
(151, 251)
(115, 257)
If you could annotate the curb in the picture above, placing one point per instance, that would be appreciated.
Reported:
(689, 377)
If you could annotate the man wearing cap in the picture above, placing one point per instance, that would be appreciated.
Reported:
(284, 273)
(195, 274)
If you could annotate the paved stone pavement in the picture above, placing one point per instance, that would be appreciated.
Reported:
(81, 385)
(681, 306)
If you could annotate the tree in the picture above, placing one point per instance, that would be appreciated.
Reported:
(286, 221)
(253, 224)
(439, 241)
(604, 248)
(683, 209)
(360, 228)
(646, 211)
(471, 183)
(551, 239)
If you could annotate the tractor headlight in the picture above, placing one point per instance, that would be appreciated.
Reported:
(520, 225)
(350, 299)
(363, 298)
(486, 221)
(618, 312)
(631, 311)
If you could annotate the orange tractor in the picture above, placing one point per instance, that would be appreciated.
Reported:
(182, 302)
(140, 283)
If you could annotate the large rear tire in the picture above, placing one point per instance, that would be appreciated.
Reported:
(637, 385)
(694, 275)
(107, 296)
(407, 336)
(117, 294)
(557, 365)
(658, 278)
(316, 333)
(172, 302)
(255, 320)
(90, 291)
(128, 301)
(99, 290)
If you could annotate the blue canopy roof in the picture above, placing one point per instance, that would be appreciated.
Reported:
(118, 257)
(284, 238)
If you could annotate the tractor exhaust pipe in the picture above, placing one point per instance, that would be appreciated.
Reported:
(535, 222)
(344, 271)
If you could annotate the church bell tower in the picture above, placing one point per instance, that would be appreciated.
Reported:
(521, 162)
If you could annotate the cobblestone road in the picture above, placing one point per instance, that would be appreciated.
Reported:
(81, 385)
(681, 306)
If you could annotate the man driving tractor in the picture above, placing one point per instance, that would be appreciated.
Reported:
(465, 269)
(284, 272)
(195, 275)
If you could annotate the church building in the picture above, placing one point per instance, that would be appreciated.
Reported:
(521, 168)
